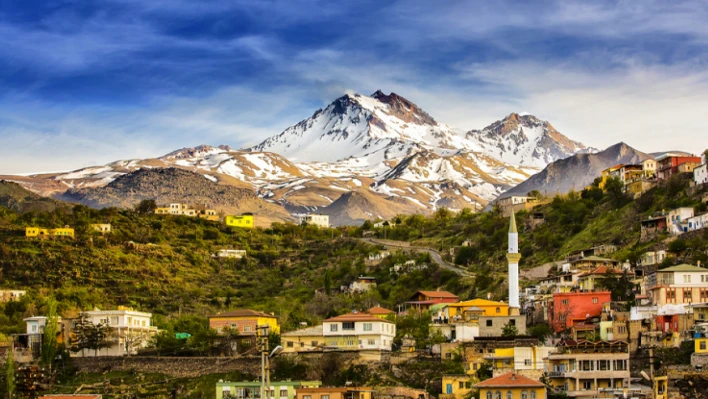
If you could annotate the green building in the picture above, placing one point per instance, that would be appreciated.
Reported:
(252, 389)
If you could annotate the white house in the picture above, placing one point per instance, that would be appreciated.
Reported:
(230, 253)
(317, 220)
(362, 284)
(358, 331)
(682, 284)
(131, 330)
(697, 222)
(652, 258)
(700, 174)
(675, 219)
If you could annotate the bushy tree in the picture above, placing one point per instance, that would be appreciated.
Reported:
(10, 374)
(510, 330)
(51, 329)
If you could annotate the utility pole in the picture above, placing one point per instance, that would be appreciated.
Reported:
(262, 339)
(651, 371)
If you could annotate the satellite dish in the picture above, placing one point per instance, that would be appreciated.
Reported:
(276, 351)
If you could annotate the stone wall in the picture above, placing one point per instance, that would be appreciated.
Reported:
(172, 366)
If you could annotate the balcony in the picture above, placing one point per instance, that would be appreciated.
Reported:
(556, 374)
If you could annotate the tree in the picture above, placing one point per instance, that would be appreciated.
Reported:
(615, 192)
(49, 339)
(534, 193)
(510, 330)
(90, 336)
(540, 331)
(484, 372)
(10, 374)
(146, 206)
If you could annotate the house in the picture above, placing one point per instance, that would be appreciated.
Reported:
(670, 164)
(700, 173)
(252, 389)
(651, 258)
(317, 220)
(103, 228)
(564, 282)
(649, 168)
(43, 233)
(636, 188)
(617, 324)
(697, 222)
(516, 203)
(589, 263)
(587, 280)
(208, 214)
(362, 284)
(586, 368)
(652, 227)
(676, 220)
(596, 251)
(382, 313)
(27, 347)
(358, 331)
(304, 340)
(474, 352)
(244, 323)
(375, 258)
(245, 221)
(609, 173)
(511, 386)
(131, 330)
(489, 308)
(630, 172)
(230, 253)
(528, 361)
(11, 295)
(568, 308)
(456, 386)
(422, 300)
(682, 284)
(334, 393)
(466, 322)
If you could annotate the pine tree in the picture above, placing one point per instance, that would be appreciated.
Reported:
(49, 340)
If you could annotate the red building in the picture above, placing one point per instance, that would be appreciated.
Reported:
(670, 164)
(568, 308)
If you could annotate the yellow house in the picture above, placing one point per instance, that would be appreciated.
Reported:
(162, 211)
(607, 173)
(36, 232)
(208, 214)
(304, 340)
(701, 345)
(661, 387)
(245, 321)
(63, 232)
(245, 221)
(455, 386)
(511, 386)
(489, 308)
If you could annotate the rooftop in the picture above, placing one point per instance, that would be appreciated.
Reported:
(304, 332)
(437, 294)
(602, 270)
(510, 380)
(356, 317)
(683, 268)
(593, 259)
(243, 313)
(378, 310)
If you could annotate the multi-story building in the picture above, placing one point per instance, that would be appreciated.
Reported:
(697, 222)
(252, 389)
(525, 360)
(244, 221)
(670, 164)
(585, 368)
(568, 308)
(700, 173)
(649, 168)
(516, 203)
(245, 324)
(676, 220)
(456, 386)
(358, 331)
(589, 263)
(423, 300)
(317, 220)
(564, 282)
(131, 330)
(334, 393)
(511, 386)
(608, 174)
(682, 284)
(587, 280)
(304, 340)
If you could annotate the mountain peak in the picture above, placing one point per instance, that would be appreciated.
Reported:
(404, 109)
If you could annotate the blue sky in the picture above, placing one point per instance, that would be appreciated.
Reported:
(89, 82)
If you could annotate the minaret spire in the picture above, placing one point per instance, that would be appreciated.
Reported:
(513, 258)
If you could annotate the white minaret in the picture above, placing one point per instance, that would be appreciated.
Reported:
(513, 257)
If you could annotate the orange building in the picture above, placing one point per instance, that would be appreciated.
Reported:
(568, 308)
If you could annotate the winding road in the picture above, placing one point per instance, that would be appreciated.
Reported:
(434, 255)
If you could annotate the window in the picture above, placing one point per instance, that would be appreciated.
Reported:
(306, 397)
(594, 300)
(498, 310)
(686, 278)
(348, 326)
(314, 344)
(687, 294)
(246, 328)
(587, 384)
(509, 395)
(671, 295)
(302, 344)
(524, 395)
(283, 393)
(468, 385)
(332, 327)
(448, 355)
(114, 320)
(489, 323)
(461, 385)
(367, 327)
(533, 394)
(603, 365)
(489, 395)
(587, 365)
(324, 397)
(234, 326)
(512, 322)
(620, 365)
(702, 345)
(290, 344)
(527, 362)
(372, 342)
(704, 295)
(475, 366)
(497, 395)
(565, 302)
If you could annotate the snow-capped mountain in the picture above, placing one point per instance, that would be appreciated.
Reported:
(525, 140)
(383, 148)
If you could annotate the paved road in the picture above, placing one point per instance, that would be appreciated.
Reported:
(434, 255)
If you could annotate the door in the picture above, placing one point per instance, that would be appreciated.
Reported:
(448, 389)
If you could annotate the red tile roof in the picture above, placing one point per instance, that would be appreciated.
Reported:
(437, 294)
(356, 317)
(242, 313)
(510, 380)
(379, 310)
(602, 270)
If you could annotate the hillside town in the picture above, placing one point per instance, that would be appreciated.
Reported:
(590, 325)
